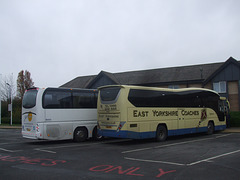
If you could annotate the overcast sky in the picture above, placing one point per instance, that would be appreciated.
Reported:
(58, 40)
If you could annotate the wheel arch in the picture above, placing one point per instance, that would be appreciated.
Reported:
(162, 124)
(81, 127)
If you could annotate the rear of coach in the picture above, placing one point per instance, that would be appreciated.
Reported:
(31, 113)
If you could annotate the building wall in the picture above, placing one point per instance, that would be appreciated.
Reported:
(230, 74)
(183, 86)
(209, 86)
(179, 86)
(195, 85)
(233, 95)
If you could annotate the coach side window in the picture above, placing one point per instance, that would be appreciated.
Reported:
(57, 99)
(84, 100)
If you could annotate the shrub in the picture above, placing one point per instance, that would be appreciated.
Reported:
(234, 119)
(5, 120)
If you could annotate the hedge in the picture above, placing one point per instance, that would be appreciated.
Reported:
(234, 119)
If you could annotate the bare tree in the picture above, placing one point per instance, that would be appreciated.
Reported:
(7, 87)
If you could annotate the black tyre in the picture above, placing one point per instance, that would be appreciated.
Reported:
(161, 134)
(210, 128)
(80, 134)
(96, 136)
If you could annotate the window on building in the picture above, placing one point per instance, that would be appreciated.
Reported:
(220, 87)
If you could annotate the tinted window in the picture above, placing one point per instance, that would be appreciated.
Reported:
(109, 93)
(85, 99)
(64, 98)
(29, 98)
(57, 99)
(196, 98)
(145, 98)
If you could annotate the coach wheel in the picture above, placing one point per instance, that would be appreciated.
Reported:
(161, 134)
(210, 128)
(96, 136)
(80, 134)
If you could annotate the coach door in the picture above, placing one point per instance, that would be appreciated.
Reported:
(181, 119)
(189, 118)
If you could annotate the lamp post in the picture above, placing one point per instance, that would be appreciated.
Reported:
(10, 108)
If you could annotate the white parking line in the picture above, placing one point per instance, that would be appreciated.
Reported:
(46, 149)
(179, 164)
(9, 150)
(167, 145)
(222, 136)
(153, 161)
(10, 143)
(214, 157)
(173, 144)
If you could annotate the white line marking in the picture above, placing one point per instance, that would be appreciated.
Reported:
(11, 143)
(153, 161)
(179, 164)
(222, 135)
(9, 150)
(65, 146)
(167, 145)
(79, 145)
(215, 157)
(173, 144)
(45, 151)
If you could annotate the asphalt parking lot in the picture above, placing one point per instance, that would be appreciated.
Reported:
(183, 157)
